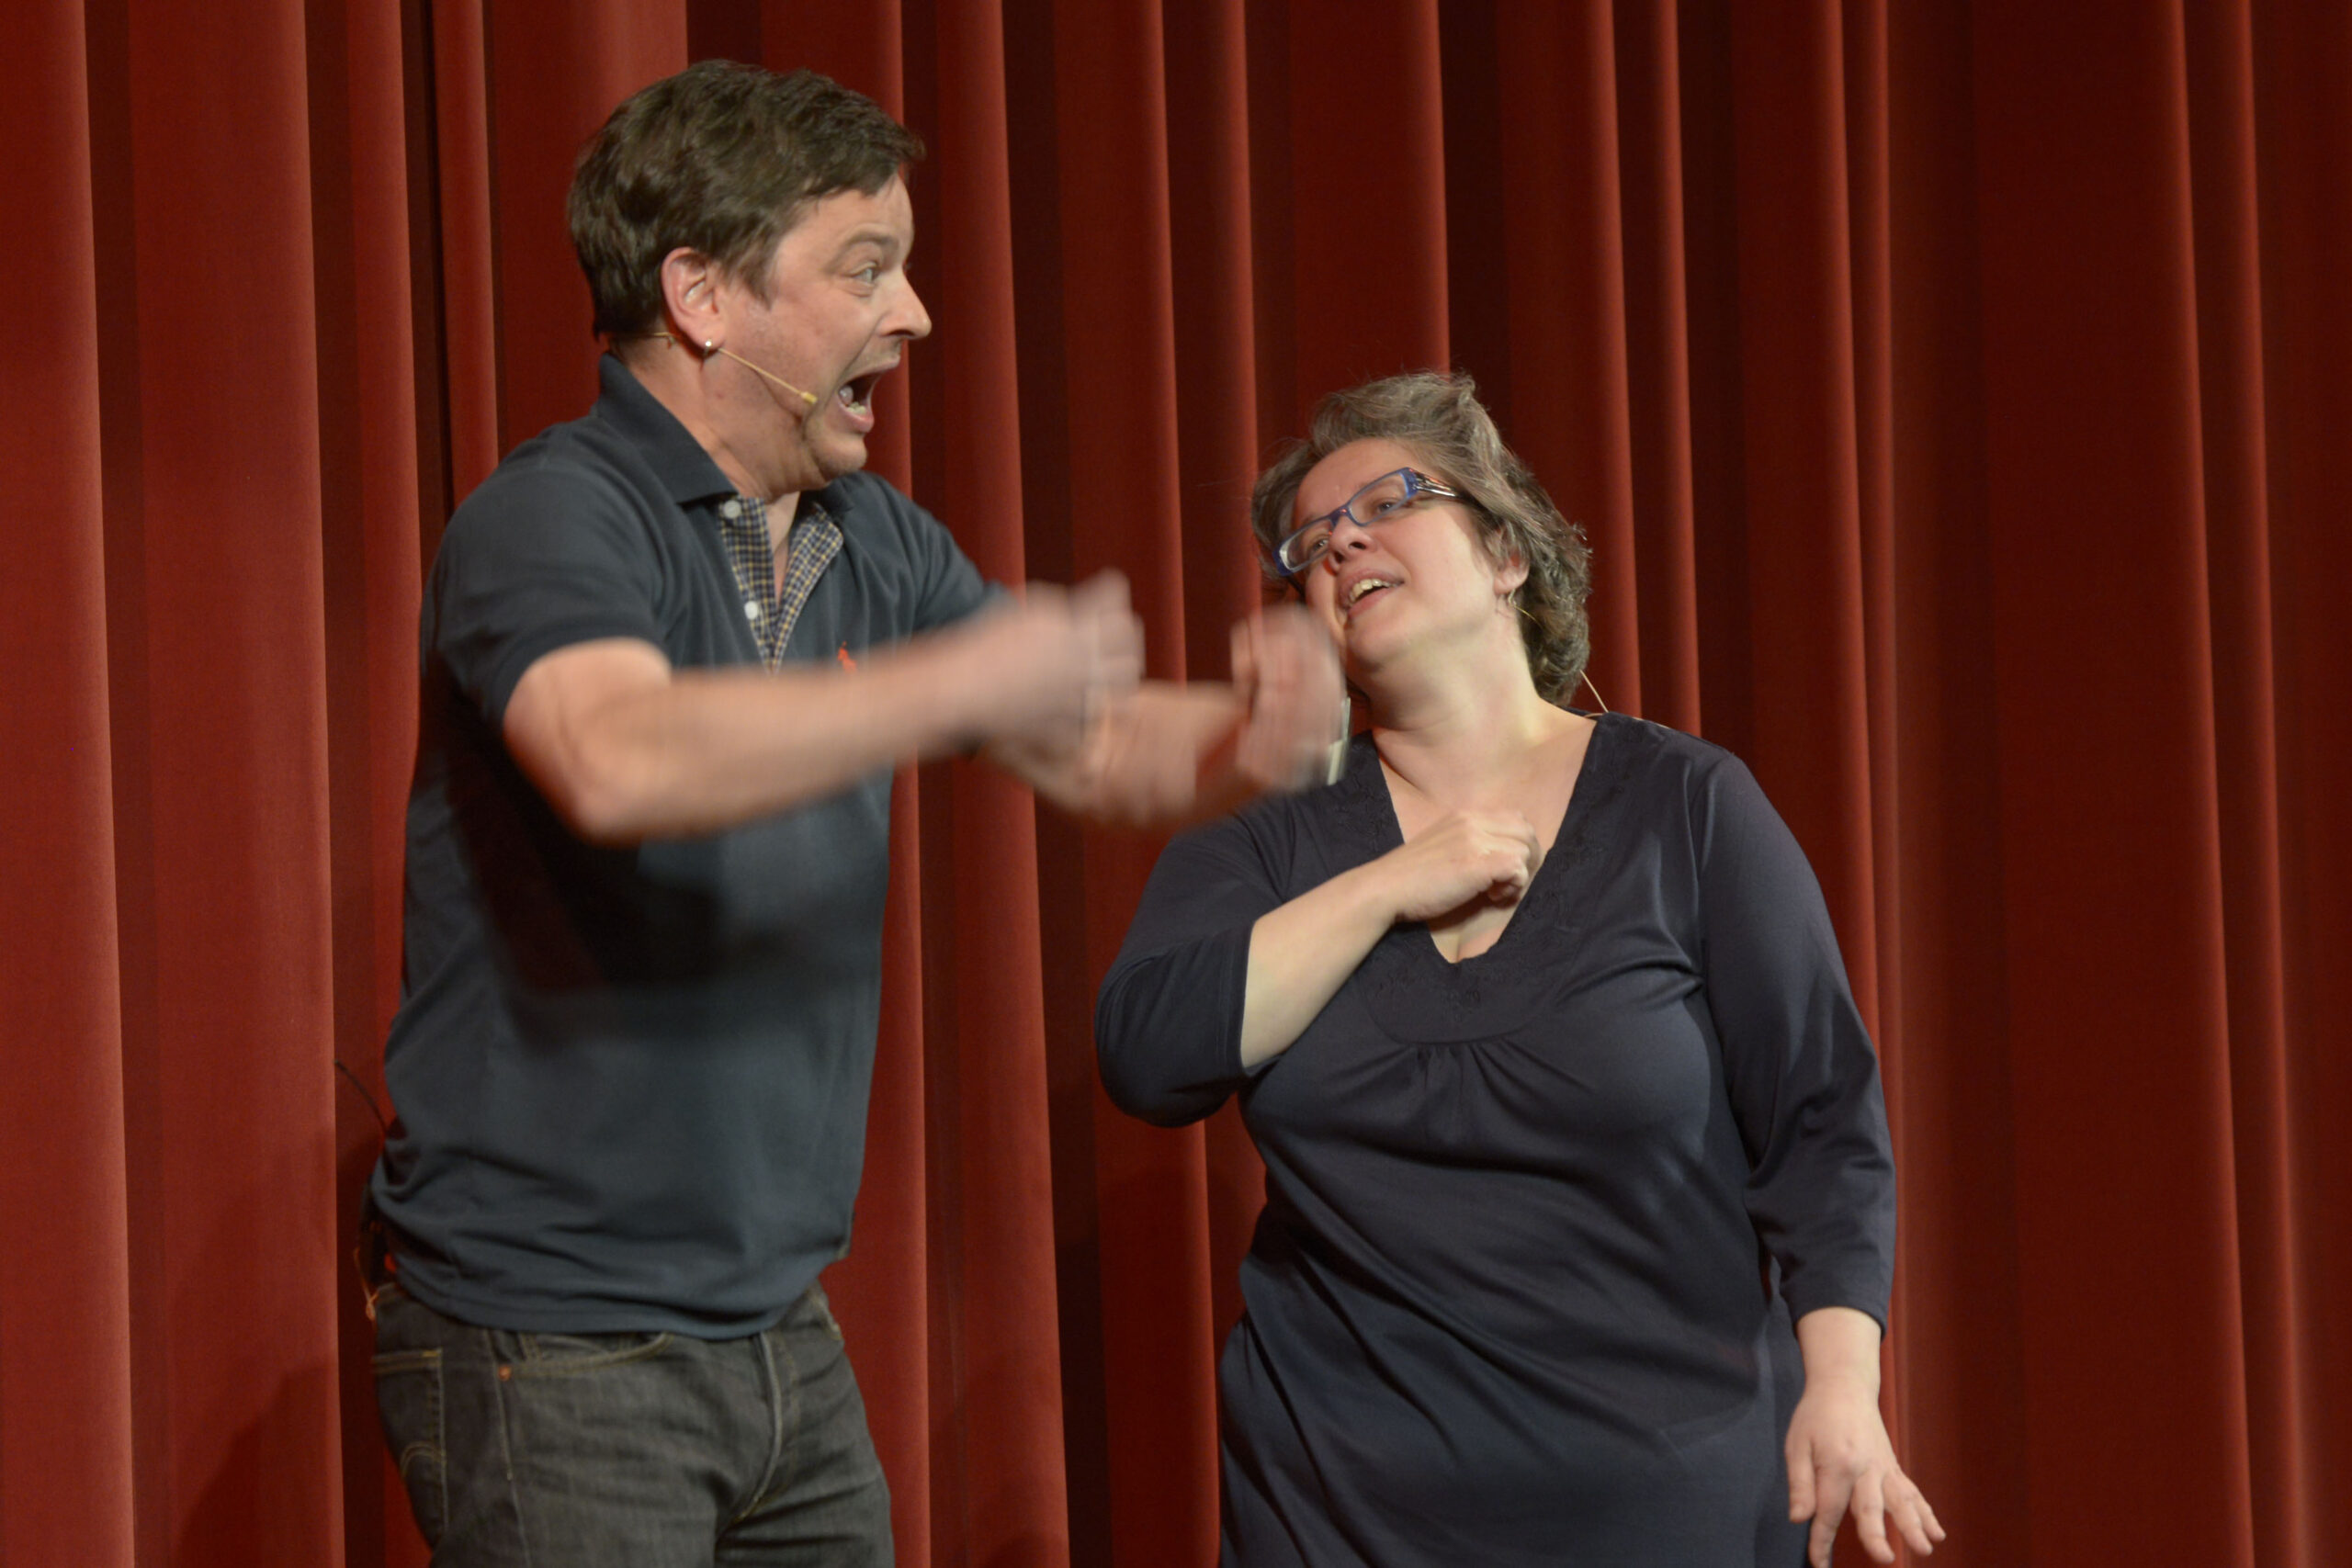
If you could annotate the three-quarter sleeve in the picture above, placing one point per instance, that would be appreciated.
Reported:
(1802, 1075)
(1168, 1018)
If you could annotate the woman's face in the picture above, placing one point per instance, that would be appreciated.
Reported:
(1416, 578)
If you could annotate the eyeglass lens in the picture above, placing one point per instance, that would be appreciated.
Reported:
(1375, 502)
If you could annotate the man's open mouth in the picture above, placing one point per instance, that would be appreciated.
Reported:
(858, 393)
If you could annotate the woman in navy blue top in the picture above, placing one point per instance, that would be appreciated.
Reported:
(1580, 1209)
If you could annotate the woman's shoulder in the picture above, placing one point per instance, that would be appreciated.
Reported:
(1355, 794)
(1275, 829)
(1656, 756)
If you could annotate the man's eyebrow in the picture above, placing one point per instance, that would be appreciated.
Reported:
(872, 234)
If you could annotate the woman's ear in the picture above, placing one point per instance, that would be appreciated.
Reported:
(1510, 574)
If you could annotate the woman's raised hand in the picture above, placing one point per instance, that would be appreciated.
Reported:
(1303, 952)
(1464, 857)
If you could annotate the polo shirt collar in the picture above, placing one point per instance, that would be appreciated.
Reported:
(678, 461)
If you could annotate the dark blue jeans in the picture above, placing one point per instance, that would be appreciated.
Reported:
(630, 1450)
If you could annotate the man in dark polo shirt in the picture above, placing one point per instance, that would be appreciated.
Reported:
(671, 652)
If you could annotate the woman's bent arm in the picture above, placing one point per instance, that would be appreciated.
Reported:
(1301, 953)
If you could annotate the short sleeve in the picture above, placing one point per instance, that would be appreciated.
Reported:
(952, 585)
(1168, 1018)
(541, 557)
(1802, 1074)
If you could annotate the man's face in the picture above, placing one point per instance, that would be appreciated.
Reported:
(839, 314)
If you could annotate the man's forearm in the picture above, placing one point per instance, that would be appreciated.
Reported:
(628, 748)
(696, 751)
(1160, 756)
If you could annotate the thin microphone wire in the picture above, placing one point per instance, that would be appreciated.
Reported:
(668, 338)
(808, 398)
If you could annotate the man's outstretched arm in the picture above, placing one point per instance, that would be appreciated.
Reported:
(629, 748)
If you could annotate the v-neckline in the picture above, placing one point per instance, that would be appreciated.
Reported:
(1559, 836)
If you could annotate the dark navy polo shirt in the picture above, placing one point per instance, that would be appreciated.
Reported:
(630, 1083)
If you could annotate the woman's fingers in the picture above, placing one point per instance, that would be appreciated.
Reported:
(1886, 1502)
(1801, 1488)
(1869, 1509)
(1913, 1519)
(1831, 1492)
(1840, 1464)
(1520, 852)
(1824, 1538)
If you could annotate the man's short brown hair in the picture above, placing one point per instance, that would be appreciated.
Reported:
(723, 159)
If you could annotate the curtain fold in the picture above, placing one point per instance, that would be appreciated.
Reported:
(453, 79)
(1952, 391)
(2110, 854)
(1127, 510)
(1658, 349)
(65, 1280)
(370, 566)
(1563, 273)
(2302, 130)
(1957, 1260)
(2226, 182)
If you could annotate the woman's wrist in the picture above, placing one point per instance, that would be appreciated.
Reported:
(1840, 1347)
(1374, 890)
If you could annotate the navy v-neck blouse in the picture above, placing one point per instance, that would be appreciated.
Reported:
(1537, 1223)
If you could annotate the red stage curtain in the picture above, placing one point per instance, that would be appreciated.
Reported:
(1953, 393)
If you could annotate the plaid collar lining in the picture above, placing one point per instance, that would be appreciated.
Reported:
(774, 608)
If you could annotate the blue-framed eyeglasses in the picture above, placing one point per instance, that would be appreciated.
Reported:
(1377, 502)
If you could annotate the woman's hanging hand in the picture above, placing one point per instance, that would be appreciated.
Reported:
(1840, 1459)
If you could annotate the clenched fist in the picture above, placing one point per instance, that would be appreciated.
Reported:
(1462, 858)
(1286, 674)
(1043, 666)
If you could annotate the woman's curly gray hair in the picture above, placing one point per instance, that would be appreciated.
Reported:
(1437, 417)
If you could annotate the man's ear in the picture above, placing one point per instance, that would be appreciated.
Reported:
(690, 298)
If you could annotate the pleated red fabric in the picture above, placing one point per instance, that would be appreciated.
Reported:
(371, 568)
(216, 670)
(452, 81)
(2302, 126)
(1118, 339)
(65, 1280)
(2111, 825)
(1562, 271)
(1952, 391)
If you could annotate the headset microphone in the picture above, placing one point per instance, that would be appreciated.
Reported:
(808, 398)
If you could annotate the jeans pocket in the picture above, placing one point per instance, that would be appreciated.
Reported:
(563, 1355)
(408, 1399)
(824, 1305)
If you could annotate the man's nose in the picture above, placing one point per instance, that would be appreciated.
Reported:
(913, 319)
